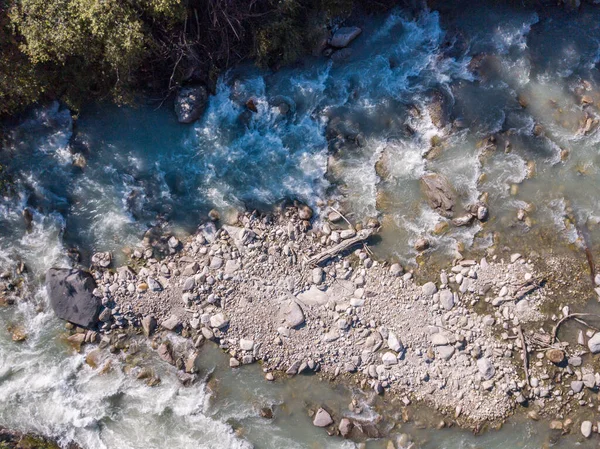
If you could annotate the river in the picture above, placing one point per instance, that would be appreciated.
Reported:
(359, 134)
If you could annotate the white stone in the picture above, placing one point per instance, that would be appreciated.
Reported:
(594, 343)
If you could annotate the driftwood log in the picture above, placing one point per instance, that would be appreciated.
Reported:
(344, 245)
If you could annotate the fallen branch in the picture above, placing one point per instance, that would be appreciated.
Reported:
(572, 316)
(324, 256)
(525, 356)
(528, 287)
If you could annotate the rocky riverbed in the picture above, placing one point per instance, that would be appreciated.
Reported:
(301, 297)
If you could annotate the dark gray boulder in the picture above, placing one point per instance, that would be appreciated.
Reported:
(190, 103)
(71, 296)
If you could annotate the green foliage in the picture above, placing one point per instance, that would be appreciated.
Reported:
(77, 50)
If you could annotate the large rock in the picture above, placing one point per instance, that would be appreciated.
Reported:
(190, 103)
(71, 296)
(322, 418)
(439, 193)
(594, 343)
(343, 36)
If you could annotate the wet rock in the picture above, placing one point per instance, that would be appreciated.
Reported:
(556, 356)
(28, 219)
(252, 105)
(191, 364)
(102, 260)
(71, 296)
(422, 244)
(464, 220)
(165, 352)
(334, 217)
(438, 109)
(345, 427)
(266, 412)
(190, 103)
(305, 212)
(439, 193)
(343, 36)
(322, 418)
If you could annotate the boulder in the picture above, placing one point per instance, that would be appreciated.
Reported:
(343, 36)
(439, 194)
(322, 418)
(190, 103)
(71, 296)
(345, 427)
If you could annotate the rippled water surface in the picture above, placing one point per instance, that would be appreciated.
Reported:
(359, 134)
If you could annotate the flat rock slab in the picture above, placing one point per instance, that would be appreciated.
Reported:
(71, 296)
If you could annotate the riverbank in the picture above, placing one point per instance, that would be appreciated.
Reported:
(454, 344)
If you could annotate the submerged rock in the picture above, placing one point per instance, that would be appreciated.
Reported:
(343, 36)
(190, 103)
(71, 296)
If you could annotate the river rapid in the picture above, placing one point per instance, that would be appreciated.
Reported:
(359, 135)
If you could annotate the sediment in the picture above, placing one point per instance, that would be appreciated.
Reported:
(454, 343)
